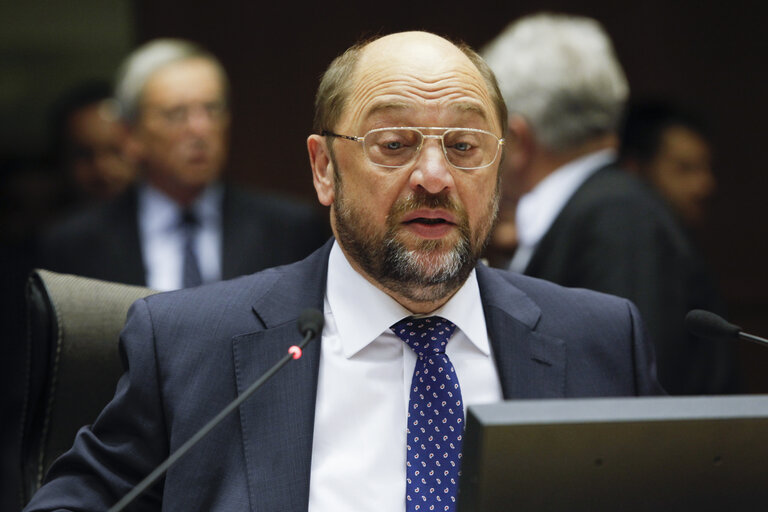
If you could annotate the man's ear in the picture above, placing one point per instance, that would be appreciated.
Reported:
(322, 168)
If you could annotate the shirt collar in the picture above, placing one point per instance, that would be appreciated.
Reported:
(362, 312)
(538, 209)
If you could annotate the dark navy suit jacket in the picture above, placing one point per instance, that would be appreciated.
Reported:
(189, 353)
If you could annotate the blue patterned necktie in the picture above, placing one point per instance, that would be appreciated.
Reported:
(190, 274)
(435, 417)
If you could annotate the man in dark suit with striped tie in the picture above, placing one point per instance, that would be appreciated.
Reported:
(181, 225)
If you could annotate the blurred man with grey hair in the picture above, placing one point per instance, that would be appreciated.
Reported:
(580, 220)
(181, 226)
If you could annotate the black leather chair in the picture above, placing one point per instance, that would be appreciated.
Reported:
(72, 362)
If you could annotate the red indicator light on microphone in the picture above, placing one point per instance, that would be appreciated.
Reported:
(295, 351)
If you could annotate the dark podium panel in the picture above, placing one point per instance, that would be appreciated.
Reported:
(630, 454)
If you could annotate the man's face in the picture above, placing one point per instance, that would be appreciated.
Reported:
(96, 153)
(183, 126)
(682, 172)
(416, 230)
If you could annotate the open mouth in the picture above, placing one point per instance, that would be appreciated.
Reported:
(428, 221)
(429, 224)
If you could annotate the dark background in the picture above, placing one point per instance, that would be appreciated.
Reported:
(710, 56)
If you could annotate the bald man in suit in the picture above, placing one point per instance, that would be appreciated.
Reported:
(329, 432)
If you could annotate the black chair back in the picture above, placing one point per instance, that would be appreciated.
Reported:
(73, 362)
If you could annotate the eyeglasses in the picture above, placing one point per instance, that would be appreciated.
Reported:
(180, 115)
(464, 148)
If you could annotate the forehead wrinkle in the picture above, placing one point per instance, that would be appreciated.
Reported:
(399, 106)
(429, 84)
(381, 91)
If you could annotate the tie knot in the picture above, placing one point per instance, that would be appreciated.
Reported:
(425, 336)
(189, 219)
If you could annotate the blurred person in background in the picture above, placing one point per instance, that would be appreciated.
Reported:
(181, 225)
(581, 220)
(670, 147)
(89, 143)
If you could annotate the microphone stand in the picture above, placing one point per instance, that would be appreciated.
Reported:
(754, 339)
(294, 352)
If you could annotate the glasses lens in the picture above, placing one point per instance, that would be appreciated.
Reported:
(465, 149)
(392, 147)
(468, 149)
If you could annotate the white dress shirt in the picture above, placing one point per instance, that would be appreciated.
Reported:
(162, 238)
(538, 209)
(358, 451)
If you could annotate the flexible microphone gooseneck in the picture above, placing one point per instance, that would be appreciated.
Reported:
(310, 324)
(710, 326)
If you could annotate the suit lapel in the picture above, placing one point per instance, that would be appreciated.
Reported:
(530, 364)
(277, 422)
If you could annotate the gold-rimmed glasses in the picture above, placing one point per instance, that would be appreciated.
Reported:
(464, 148)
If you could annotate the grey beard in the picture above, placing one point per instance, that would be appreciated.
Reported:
(417, 275)
(403, 272)
(398, 269)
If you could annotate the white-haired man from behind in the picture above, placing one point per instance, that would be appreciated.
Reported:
(580, 220)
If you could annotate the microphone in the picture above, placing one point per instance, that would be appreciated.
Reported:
(712, 327)
(310, 323)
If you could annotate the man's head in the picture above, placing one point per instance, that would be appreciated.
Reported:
(411, 221)
(670, 148)
(564, 88)
(89, 142)
(172, 95)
